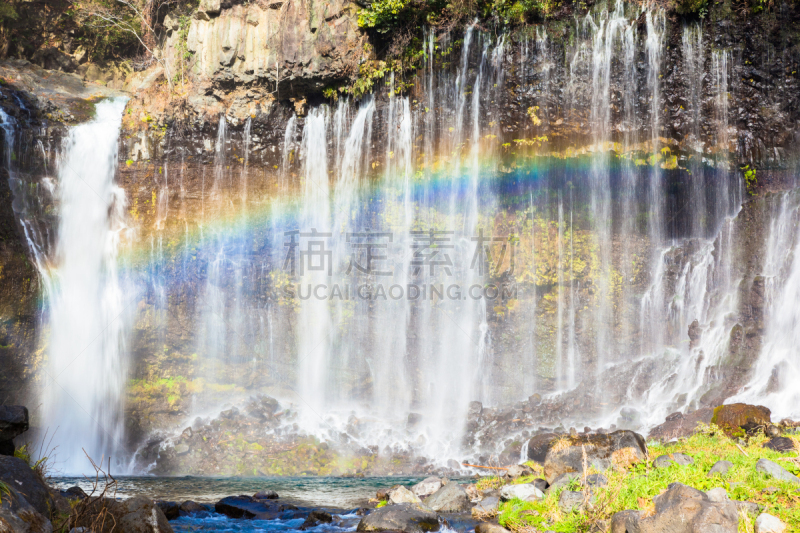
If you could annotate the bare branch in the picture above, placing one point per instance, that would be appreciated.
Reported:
(112, 20)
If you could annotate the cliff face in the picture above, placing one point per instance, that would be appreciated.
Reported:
(726, 94)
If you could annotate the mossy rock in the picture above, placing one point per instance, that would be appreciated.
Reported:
(740, 419)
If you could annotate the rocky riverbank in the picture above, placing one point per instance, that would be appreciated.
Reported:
(738, 473)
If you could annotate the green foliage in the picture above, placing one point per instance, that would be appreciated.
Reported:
(331, 93)
(750, 179)
(4, 490)
(522, 11)
(692, 7)
(7, 12)
(22, 452)
(40, 466)
(368, 74)
(382, 15)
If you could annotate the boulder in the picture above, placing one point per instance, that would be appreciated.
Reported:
(775, 470)
(401, 494)
(680, 509)
(664, 461)
(487, 506)
(717, 494)
(780, 444)
(246, 507)
(266, 495)
(383, 493)
(720, 468)
(596, 480)
(13, 422)
(515, 471)
(406, 517)
(75, 493)
(766, 523)
(602, 451)
(526, 492)
(451, 498)
(51, 58)
(139, 515)
(488, 527)
(570, 500)
(19, 516)
(540, 484)
(16, 473)
(315, 518)
(748, 507)
(170, 509)
(472, 492)
(563, 480)
(539, 445)
(427, 486)
(262, 407)
(625, 522)
(679, 425)
(190, 507)
(685, 509)
(738, 419)
(62, 505)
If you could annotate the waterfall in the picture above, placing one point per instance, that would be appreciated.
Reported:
(315, 340)
(612, 211)
(777, 370)
(84, 380)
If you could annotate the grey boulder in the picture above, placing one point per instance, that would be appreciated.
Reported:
(487, 527)
(720, 468)
(451, 498)
(526, 491)
(427, 486)
(406, 517)
(680, 509)
(775, 470)
(570, 500)
(401, 494)
(516, 471)
(717, 494)
(600, 451)
(19, 516)
(16, 473)
(766, 523)
(487, 506)
(563, 480)
(663, 461)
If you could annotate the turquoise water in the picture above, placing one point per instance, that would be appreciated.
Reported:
(341, 496)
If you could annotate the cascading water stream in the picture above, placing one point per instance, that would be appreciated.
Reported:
(89, 307)
(777, 370)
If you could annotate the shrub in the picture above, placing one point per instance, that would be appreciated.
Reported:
(691, 7)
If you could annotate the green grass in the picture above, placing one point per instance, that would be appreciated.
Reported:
(635, 487)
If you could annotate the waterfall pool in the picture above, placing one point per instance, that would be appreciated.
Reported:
(341, 496)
